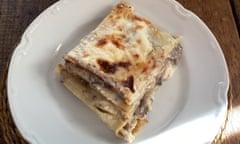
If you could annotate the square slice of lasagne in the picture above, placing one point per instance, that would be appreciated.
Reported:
(116, 69)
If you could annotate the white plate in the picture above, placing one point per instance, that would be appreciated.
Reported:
(189, 108)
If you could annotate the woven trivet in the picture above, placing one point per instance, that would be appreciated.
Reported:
(11, 135)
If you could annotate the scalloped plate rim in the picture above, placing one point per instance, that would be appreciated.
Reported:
(45, 13)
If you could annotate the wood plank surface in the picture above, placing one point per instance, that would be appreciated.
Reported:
(16, 15)
(236, 12)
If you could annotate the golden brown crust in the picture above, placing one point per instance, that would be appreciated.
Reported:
(122, 60)
(140, 124)
(124, 48)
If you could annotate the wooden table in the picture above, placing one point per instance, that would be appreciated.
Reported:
(221, 16)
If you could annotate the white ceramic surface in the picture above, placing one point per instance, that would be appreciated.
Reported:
(189, 108)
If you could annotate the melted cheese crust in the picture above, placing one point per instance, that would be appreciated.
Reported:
(126, 51)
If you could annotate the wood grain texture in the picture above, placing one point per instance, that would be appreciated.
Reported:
(236, 12)
(16, 15)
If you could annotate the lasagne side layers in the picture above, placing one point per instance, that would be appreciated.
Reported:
(116, 69)
(125, 125)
